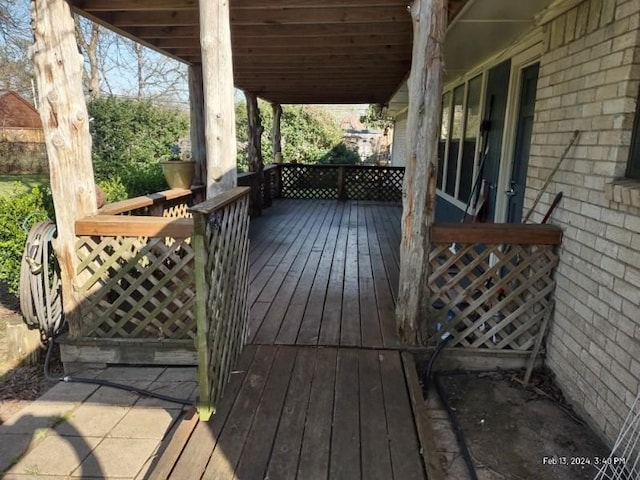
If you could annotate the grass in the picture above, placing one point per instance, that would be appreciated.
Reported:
(27, 181)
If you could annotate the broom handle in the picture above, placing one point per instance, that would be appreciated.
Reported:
(553, 172)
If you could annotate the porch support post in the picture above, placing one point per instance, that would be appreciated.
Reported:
(219, 114)
(198, 142)
(276, 136)
(65, 121)
(419, 189)
(256, 163)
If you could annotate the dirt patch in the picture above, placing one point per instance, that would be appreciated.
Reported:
(19, 384)
(520, 432)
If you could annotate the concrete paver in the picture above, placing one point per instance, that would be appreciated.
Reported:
(142, 422)
(178, 374)
(130, 456)
(113, 396)
(89, 431)
(92, 420)
(68, 392)
(131, 373)
(183, 390)
(36, 416)
(56, 455)
(12, 448)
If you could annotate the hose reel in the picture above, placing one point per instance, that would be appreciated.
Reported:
(40, 286)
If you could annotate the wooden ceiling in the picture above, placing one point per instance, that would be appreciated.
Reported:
(285, 51)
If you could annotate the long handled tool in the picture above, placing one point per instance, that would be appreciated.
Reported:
(551, 175)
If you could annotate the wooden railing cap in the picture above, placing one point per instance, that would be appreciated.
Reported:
(134, 226)
(220, 201)
(496, 233)
(148, 200)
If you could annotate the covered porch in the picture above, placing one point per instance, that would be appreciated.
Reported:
(315, 299)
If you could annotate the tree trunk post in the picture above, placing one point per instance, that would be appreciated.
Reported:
(276, 136)
(256, 164)
(219, 108)
(58, 67)
(198, 141)
(419, 189)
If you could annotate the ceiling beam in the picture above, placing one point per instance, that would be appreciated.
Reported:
(316, 30)
(295, 51)
(134, 5)
(315, 16)
(342, 41)
(173, 18)
(150, 5)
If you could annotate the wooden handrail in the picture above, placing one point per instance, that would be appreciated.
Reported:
(134, 226)
(148, 200)
(220, 201)
(496, 233)
(336, 165)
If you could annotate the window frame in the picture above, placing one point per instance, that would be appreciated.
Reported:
(633, 163)
(444, 161)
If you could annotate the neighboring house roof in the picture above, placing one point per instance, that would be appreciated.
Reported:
(16, 112)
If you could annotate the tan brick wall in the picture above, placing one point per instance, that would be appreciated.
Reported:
(589, 80)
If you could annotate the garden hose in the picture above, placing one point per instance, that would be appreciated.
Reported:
(445, 339)
(41, 304)
(40, 289)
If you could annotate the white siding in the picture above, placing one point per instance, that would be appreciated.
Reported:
(399, 146)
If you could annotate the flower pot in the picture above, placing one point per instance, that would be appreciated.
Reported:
(178, 174)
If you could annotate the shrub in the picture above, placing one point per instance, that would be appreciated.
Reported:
(114, 190)
(341, 154)
(308, 132)
(19, 211)
(130, 137)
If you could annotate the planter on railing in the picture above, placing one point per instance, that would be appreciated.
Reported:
(221, 243)
(491, 285)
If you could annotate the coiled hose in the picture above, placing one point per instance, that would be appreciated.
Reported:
(41, 304)
(40, 289)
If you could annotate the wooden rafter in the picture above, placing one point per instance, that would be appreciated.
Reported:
(365, 42)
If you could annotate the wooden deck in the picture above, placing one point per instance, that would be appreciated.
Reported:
(320, 391)
(325, 273)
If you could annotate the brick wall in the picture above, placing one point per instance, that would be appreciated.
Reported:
(589, 80)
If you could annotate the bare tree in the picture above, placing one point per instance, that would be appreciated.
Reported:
(152, 74)
(88, 37)
(15, 37)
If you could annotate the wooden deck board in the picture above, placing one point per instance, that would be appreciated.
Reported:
(309, 413)
(319, 392)
(328, 281)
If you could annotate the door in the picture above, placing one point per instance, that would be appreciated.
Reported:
(524, 127)
(494, 116)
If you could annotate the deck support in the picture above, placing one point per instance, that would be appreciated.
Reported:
(256, 163)
(219, 108)
(276, 135)
(419, 189)
(58, 67)
(198, 140)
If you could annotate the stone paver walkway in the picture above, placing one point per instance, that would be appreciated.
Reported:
(87, 431)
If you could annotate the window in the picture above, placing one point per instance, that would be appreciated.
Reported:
(458, 139)
(633, 167)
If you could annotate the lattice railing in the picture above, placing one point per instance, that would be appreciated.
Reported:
(343, 182)
(136, 268)
(491, 285)
(136, 287)
(221, 242)
(374, 183)
(309, 181)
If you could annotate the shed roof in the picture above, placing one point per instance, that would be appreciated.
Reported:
(286, 51)
(16, 112)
